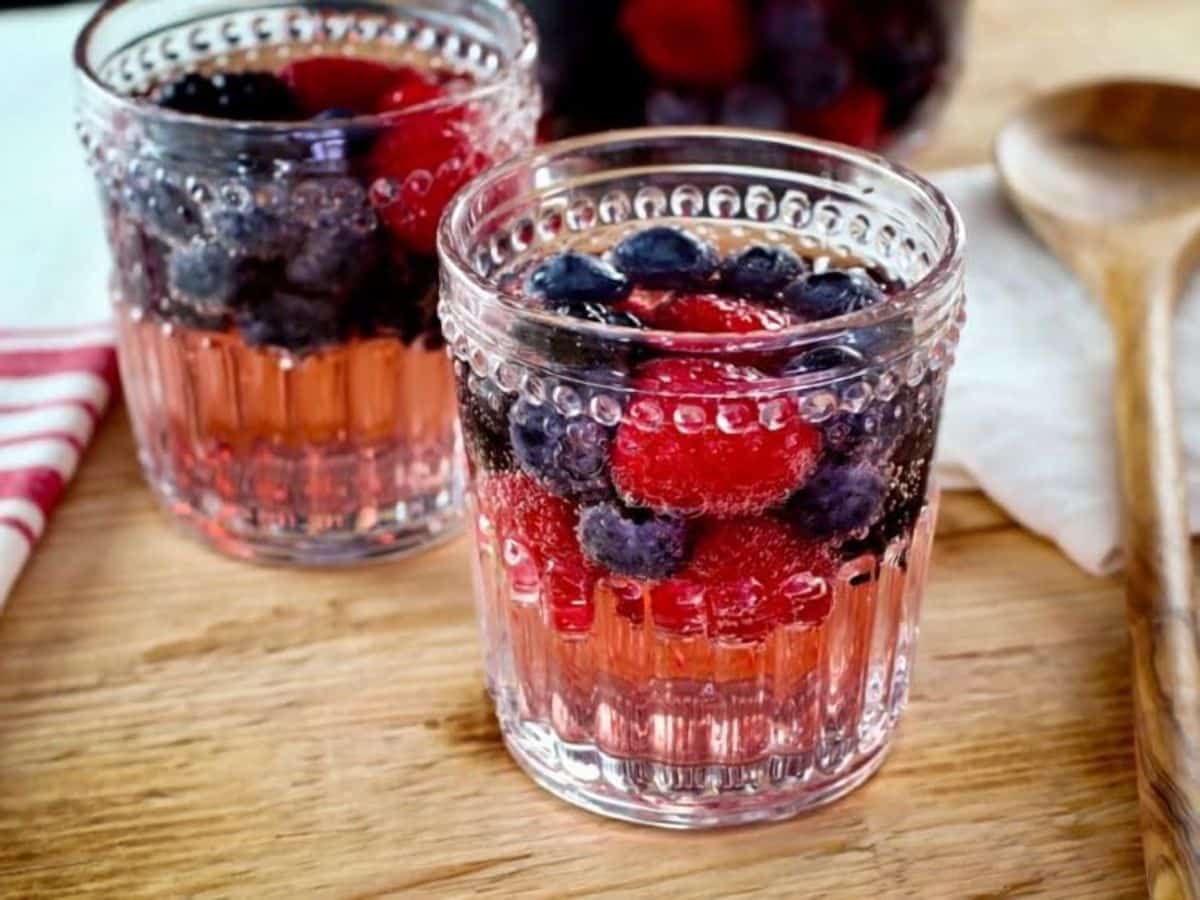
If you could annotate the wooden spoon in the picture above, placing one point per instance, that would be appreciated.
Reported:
(1109, 176)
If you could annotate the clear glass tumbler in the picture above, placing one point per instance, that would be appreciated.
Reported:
(271, 176)
(699, 486)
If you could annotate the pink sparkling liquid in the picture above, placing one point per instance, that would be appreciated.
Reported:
(352, 445)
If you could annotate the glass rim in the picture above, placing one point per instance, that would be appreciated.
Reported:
(523, 61)
(944, 271)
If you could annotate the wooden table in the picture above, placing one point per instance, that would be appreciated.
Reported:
(173, 723)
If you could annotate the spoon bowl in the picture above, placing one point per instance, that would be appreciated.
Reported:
(1109, 176)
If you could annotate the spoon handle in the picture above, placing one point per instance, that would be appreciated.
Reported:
(1161, 613)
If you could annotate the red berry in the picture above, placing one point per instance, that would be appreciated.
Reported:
(339, 82)
(754, 575)
(711, 314)
(693, 441)
(678, 607)
(644, 303)
(700, 42)
(532, 522)
(429, 155)
(411, 89)
(856, 118)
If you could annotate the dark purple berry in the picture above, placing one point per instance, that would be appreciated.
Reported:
(330, 259)
(837, 500)
(254, 231)
(568, 455)
(830, 294)
(633, 542)
(599, 313)
(754, 106)
(885, 339)
(822, 359)
(483, 410)
(665, 107)
(397, 296)
(204, 273)
(292, 322)
(240, 96)
(814, 78)
(665, 257)
(760, 272)
(573, 277)
(165, 209)
(793, 25)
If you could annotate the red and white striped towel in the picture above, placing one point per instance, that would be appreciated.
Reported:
(55, 384)
(57, 369)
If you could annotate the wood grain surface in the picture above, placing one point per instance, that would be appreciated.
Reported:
(177, 724)
(1108, 174)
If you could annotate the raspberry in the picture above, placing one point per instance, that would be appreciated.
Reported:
(411, 89)
(678, 607)
(754, 575)
(430, 157)
(856, 117)
(544, 527)
(643, 303)
(324, 82)
(683, 465)
(711, 314)
(701, 42)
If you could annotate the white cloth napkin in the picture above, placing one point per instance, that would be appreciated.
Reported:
(1029, 407)
(57, 366)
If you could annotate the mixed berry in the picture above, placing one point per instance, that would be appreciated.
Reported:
(304, 263)
(858, 71)
(693, 476)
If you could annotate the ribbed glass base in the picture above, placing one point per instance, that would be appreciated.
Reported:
(684, 797)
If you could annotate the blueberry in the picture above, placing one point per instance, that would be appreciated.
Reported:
(254, 231)
(815, 78)
(165, 209)
(568, 455)
(665, 257)
(633, 542)
(838, 499)
(330, 259)
(832, 293)
(793, 25)
(822, 359)
(847, 436)
(204, 272)
(243, 96)
(884, 339)
(665, 107)
(911, 425)
(564, 346)
(397, 295)
(291, 321)
(753, 106)
(577, 278)
(760, 272)
(598, 313)
(483, 410)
